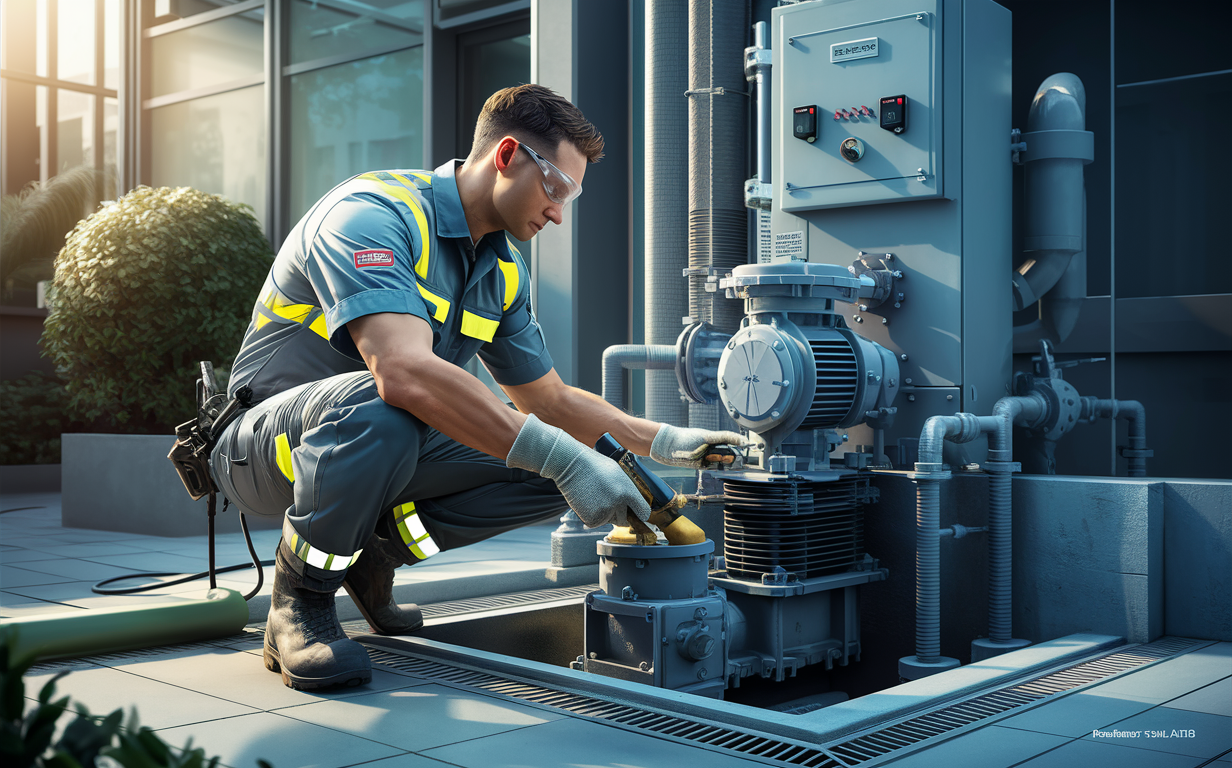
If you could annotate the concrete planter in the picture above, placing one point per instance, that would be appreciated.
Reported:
(125, 483)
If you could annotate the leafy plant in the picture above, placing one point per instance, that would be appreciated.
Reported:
(26, 738)
(35, 221)
(144, 289)
(32, 418)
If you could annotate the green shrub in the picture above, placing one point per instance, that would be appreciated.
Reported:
(144, 289)
(32, 416)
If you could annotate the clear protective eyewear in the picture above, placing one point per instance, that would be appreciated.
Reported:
(560, 186)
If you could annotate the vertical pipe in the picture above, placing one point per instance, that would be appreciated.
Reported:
(763, 108)
(666, 206)
(1000, 557)
(928, 571)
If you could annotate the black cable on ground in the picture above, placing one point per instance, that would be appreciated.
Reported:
(100, 587)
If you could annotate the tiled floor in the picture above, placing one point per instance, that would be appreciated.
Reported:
(220, 696)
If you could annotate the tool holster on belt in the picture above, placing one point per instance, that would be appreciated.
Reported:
(196, 438)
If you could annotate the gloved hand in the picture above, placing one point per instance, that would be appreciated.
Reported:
(687, 447)
(595, 487)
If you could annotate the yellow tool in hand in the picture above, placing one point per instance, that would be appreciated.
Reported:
(665, 504)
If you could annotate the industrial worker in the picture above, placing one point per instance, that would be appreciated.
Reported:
(366, 434)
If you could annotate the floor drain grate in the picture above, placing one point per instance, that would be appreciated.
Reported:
(713, 736)
(940, 721)
(844, 754)
(454, 607)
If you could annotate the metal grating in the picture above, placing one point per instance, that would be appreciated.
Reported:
(712, 736)
(845, 754)
(836, 382)
(807, 528)
(510, 600)
(940, 721)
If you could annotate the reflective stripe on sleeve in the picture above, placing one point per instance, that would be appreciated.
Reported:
(413, 533)
(478, 327)
(316, 557)
(283, 456)
(401, 195)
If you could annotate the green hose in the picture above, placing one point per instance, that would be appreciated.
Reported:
(220, 613)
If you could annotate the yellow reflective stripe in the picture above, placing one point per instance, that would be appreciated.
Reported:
(318, 326)
(283, 446)
(296, 313)
(401, 194)
(510, 270)
(478, 327)
(424, 549)
(441, 306)
(261, 321)
(425, 178)
(313, 556)
(413, 533)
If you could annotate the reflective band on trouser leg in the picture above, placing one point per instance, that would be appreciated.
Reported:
(316, 557)
(414, 535)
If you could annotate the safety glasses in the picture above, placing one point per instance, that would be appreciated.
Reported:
(561, 188)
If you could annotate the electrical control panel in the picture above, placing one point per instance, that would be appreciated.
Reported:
(862, 79)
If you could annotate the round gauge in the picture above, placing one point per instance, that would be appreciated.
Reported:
(852, 149)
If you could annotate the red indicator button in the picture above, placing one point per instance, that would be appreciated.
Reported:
(900, 99)
(812, 110)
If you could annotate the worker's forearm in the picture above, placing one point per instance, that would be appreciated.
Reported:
(452, 401)
(587, 416)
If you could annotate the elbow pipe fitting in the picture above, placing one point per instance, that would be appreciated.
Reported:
(959, 428)
(1136, 453)
(638, 356)
(1028, 411)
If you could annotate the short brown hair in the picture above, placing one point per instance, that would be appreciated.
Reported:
(535, 113)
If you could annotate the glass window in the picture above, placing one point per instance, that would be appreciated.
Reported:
(25, 134)
(111, 126)
(74, 130)
(23, 51)
(486, 67)
(452, 9)
(75, 42)
(173, 10)
(111, 44)
(214, 144)
(208, 54)
(360, 116)
(320, 30)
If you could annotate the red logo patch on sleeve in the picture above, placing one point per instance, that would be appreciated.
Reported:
(374, 257)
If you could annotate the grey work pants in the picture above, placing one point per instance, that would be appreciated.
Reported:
(353, 457)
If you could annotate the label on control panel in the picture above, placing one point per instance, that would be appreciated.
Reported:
(789, 244)
(855, 49)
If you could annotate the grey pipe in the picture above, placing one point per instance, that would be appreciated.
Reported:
(761, 40)
(1059, 310)
(640, 356)
(1054, 189)
(667, 212)
(959, 428)
(1133, 412)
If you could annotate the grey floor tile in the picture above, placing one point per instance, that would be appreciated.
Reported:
(75, 569)
(1088, 754)
(19, 555)
(12, 577)
(26, 539)
(89, 550)
(1174, 730)
(1214, 699)
(282, 741)
(1077, 714)
(1175, 677)
(409, 760)
(233, 675)
(441, 716)
(155, 561)
(988, 747)
(574, 743)
(78, 594)
(159, 705)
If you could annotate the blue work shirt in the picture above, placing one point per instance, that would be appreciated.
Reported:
(390, 241)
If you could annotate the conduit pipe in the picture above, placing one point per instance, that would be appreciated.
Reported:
(1027, 411)
(1132, 411)
(667, 211)
(929, 472)
(1057, 147)
(638, 356)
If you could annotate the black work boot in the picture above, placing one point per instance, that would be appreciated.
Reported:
(303, 639)
(370, 583)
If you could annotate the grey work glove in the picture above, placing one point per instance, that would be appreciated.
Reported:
(595, 487)
(687, 447)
